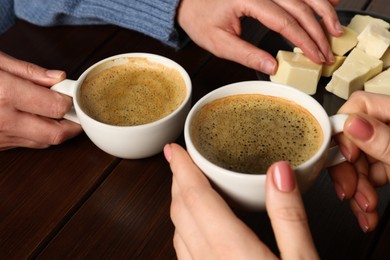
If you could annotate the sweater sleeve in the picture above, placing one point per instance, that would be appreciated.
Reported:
(155, 18)
(7, 16)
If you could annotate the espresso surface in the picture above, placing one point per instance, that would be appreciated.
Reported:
(247, 133)
(135, 93)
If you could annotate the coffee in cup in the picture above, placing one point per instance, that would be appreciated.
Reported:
(225, 118)
(130, 105)
(248, 132)
(133, 93)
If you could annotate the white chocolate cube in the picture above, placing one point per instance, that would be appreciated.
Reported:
(374, 40)
(379, 84)
(359, 22)
(327, 70)
(344, 43)
(386, 59)
(298, 71)
(357, 68)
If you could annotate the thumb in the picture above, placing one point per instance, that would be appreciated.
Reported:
(287, 213)
(30, 71)
(370, 135)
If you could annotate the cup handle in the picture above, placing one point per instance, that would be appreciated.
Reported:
(67, 87)
(334, 155)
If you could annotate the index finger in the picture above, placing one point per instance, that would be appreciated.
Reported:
(288, 217)
(375, 105)
(30, 71)
(26, 96)
(287, 26)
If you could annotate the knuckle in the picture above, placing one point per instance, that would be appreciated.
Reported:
(191, 196)
(287, 25)
(357, 95)
(5, 93)
(60, 105)
(291, 214)
(57, 136)
(31, 69)
(384, 150)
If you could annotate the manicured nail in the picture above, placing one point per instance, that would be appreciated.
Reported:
(168, 152)
(360, 128)
(268, 66)
(339, 191)
(362, 201)
(55, 74)
(283, 177)
(345, 152)
(363, 223)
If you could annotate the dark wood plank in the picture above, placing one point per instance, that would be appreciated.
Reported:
(126, 218)
(41, 189)
(64, 48)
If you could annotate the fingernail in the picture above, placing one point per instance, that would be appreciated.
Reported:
(339, 191)
(322, 58)
(168, 152)
(362, 201)
(283, 177)
(338, 27)
(268, 66)
(360, 128)
(345, 152)
(331, 58)
(55, 74)
(363, 223)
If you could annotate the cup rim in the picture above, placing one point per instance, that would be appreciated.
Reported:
(237, 88)
(154, 58)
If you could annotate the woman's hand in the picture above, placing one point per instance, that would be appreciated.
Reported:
(30, 113)
(215, 25)
(366, 145)
(206, 228)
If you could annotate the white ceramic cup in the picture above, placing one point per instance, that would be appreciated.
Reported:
(247, 191)
(129, 142)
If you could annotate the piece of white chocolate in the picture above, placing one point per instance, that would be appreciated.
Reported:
(359, 22)
(327, 70)
(374, 40)
(344, 43)
(379, 84)
(386, 59)
(357, 68)
(296, 70)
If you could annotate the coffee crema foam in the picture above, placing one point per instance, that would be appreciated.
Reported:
(135, 93)
(248, 132)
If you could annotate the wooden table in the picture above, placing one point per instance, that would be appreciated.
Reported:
(75, 201)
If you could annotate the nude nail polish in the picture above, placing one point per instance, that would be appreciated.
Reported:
(283, 177)
(168, 152)
(362, 201)
(360, 128)
(363, 222)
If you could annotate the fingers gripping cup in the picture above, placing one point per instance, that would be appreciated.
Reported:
(130, 105)
(237, 131)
